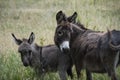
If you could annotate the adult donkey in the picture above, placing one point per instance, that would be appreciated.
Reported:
(85, 47)
(44, 58)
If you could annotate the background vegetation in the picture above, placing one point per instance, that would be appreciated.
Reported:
(22, 17)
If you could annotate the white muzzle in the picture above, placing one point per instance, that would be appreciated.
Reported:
(64, 45)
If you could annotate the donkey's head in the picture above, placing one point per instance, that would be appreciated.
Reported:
(25, 48)
(64, 30)
(62, 34)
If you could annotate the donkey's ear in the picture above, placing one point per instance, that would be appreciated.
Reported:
(31, 38)
(60, 16)
(17, 41)
(72, 18)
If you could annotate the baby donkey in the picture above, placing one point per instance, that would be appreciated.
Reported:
(44, 58)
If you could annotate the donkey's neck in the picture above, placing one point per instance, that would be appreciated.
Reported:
(81, 26)
(76, 31)
(35, 61)
(35, 47)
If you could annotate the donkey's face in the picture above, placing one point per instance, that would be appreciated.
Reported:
(64, 30)
(25, 49)
(62, 37)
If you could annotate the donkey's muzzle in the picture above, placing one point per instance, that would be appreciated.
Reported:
(26, 64)
(64, 46)
(66, 51)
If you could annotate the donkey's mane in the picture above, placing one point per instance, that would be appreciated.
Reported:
(81, 25)
(77, 27)
(35, 46)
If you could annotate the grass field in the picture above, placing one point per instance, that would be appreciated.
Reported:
(22, 17)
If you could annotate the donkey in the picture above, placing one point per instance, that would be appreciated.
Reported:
(89, 49)
(44, 58)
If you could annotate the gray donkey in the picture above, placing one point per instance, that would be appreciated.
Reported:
(44, 58)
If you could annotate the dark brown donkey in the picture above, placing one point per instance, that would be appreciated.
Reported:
(44, 58)
(89, 49)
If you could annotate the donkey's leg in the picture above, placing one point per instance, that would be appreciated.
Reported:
(111, 67)
(88, 75)
(62, 74)
(113, 71)
(78, 70)
(40, 73)
(69, 72)
(42, 76)
(113, 76)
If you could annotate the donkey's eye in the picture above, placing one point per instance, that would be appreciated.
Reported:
(60, 33)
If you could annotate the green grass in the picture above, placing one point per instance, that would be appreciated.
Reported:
(22, 17)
